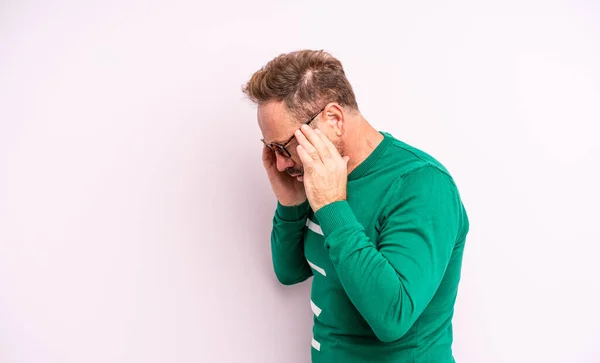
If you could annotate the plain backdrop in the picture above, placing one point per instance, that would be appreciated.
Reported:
(135, 215)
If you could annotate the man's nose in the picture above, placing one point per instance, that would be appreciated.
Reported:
(283, 162)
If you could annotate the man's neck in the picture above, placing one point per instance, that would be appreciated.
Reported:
(361, 143)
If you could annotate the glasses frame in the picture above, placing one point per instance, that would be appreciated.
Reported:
(281, 149)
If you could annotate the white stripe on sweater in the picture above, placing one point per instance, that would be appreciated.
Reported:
(314, 227)
(315, 344)
(317, 310)
(317, 268)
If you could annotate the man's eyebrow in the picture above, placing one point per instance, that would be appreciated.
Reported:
(279, 142)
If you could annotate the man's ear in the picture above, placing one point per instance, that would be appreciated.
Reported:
(335, 118)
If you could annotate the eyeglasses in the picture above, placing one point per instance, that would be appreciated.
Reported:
(281, 148)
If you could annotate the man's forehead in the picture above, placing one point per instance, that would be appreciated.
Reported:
(274, 121)
(273, 112)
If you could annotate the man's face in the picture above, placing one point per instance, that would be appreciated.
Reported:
(277, 126)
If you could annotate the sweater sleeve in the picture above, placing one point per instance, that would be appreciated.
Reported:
(287, 244)
(392, 281)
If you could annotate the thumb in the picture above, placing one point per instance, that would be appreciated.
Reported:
(346, 159)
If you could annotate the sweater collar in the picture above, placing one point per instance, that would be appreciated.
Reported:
(368, 163)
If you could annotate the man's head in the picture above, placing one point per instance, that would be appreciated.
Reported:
(295, 88)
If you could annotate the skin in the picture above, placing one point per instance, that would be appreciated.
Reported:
(322, 155)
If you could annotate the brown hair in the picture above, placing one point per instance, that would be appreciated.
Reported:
(304, 80)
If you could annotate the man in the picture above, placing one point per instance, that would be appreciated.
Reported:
(378, 223)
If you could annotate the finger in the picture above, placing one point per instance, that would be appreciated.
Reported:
(307, 145)
(327, 143)
(267, 154)
(316, 141)
(269, 160)
(305, 157)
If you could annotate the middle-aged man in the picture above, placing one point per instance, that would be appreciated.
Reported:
(378, 223)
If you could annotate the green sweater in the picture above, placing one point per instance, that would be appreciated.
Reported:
(386, 262)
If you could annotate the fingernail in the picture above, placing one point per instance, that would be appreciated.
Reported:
(317, 131)
(304, 127)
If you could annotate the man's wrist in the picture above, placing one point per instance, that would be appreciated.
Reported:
(319, 206)
(335, 215)
(293, 204)
(292, 212)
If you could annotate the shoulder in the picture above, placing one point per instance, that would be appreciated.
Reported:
(414, 165)
(426, 180)
(409, 158)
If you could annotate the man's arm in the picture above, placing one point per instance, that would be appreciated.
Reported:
(391, 284)
(287, 244)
